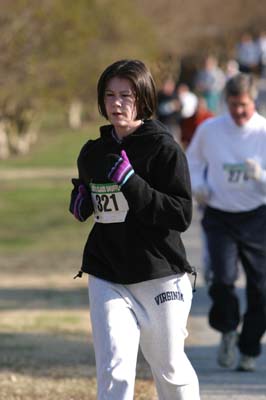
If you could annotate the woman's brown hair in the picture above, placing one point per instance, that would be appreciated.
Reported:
(142, 83)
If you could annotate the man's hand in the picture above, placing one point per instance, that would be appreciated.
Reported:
(253, 169)
(202, 194)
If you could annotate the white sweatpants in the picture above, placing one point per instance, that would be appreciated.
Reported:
(152, 314)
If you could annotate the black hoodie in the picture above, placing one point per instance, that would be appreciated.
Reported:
(147, 244)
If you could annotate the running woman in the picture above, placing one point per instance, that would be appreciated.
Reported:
(134, 178)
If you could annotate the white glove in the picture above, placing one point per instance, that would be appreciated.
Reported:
(202, 194)
(253, 169)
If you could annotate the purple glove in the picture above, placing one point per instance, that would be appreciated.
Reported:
(82, 193)
(81, 205)
(121, 169)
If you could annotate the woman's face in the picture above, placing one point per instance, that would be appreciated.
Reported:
(120, 105)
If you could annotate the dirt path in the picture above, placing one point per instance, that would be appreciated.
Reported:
(46, 350)
(34, 173)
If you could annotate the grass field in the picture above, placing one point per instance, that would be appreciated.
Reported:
(46, 349)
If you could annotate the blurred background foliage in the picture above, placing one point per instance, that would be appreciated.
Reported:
(190, 27)
(52, 52)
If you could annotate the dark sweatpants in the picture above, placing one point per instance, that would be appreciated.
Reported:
(232, 237)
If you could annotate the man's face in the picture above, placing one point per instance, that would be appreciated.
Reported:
(241, 108)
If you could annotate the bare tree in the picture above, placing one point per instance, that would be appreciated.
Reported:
(51, 52)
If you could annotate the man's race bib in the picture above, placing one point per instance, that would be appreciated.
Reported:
(235, 175)
(110, 205)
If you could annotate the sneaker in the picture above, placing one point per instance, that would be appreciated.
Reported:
(246, 363)
(227, 350)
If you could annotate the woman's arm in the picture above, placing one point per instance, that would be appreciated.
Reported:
(167, 202)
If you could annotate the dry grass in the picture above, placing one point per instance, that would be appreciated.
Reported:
(46, 349)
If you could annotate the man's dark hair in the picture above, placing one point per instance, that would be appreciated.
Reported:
(142, 83)
(241, 84)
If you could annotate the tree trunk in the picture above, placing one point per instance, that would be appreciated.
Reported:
(21, 143)
(75, 114)
(4, 145)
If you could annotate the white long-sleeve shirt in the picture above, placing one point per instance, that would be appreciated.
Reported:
(216, 157)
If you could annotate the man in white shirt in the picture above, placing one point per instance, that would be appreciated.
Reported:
(227, 161)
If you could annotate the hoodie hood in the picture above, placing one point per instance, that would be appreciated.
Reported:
(148, 128)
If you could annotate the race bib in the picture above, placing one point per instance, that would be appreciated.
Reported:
(235, 175)
(110, 205)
